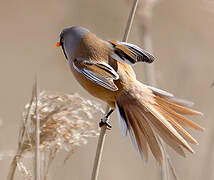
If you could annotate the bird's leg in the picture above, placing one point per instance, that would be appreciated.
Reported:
(104, 120)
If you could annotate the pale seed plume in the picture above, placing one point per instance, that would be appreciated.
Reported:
(65, 124)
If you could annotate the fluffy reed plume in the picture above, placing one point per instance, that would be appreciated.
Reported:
(64, 126)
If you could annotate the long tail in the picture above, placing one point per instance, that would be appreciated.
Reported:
(146, 112)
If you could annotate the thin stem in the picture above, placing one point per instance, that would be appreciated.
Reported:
(13, 167)
(99, 152)
(37, 134)
(102, 136)
(19, 153)
(130, 21)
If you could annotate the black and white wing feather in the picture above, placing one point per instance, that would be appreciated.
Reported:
(98, 72)
(130, 53)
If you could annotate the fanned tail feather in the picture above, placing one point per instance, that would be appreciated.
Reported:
(147, 112)
(143, 126)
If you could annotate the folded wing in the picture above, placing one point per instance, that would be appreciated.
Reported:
(130, 53)
(99, 72)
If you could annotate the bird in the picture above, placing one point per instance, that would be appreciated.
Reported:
(146, 113)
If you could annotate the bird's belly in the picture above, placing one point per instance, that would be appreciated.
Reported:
(94, 89)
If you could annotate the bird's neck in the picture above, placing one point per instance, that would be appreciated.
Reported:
(92, 47)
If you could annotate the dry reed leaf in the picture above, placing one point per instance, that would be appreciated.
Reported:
(23, 169)
(65, 124)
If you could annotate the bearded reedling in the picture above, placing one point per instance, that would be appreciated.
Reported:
(104, 69)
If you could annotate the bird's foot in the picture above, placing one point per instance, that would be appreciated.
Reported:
(105, 122)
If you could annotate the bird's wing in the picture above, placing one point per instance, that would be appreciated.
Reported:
(98, 72)
(129, 53)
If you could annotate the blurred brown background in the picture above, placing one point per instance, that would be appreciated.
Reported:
(182, 33)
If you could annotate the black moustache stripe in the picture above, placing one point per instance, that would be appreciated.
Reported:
(64, 51)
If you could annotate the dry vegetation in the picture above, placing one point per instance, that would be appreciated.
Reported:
(65, 124)
(66, 120)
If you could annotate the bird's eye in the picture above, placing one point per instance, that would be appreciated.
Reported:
(62, 40)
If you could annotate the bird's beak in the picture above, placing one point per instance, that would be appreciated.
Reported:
(58, 44)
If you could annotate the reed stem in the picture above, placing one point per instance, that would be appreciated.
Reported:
(37, 134)
(130, 21)
(102, 136)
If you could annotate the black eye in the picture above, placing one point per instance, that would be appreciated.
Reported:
(61, 40)
(62, 45)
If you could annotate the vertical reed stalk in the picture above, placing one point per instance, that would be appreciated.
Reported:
(99, 151)
(101, 140)
(130, 21)
(19, 152)
(13, 166)
(37, 133)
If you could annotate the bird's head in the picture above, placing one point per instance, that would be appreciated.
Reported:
(69, 40)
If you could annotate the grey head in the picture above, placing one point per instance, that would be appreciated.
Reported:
(70, 38)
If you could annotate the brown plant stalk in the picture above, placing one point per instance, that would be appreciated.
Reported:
(37, 133)
(101, 139)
